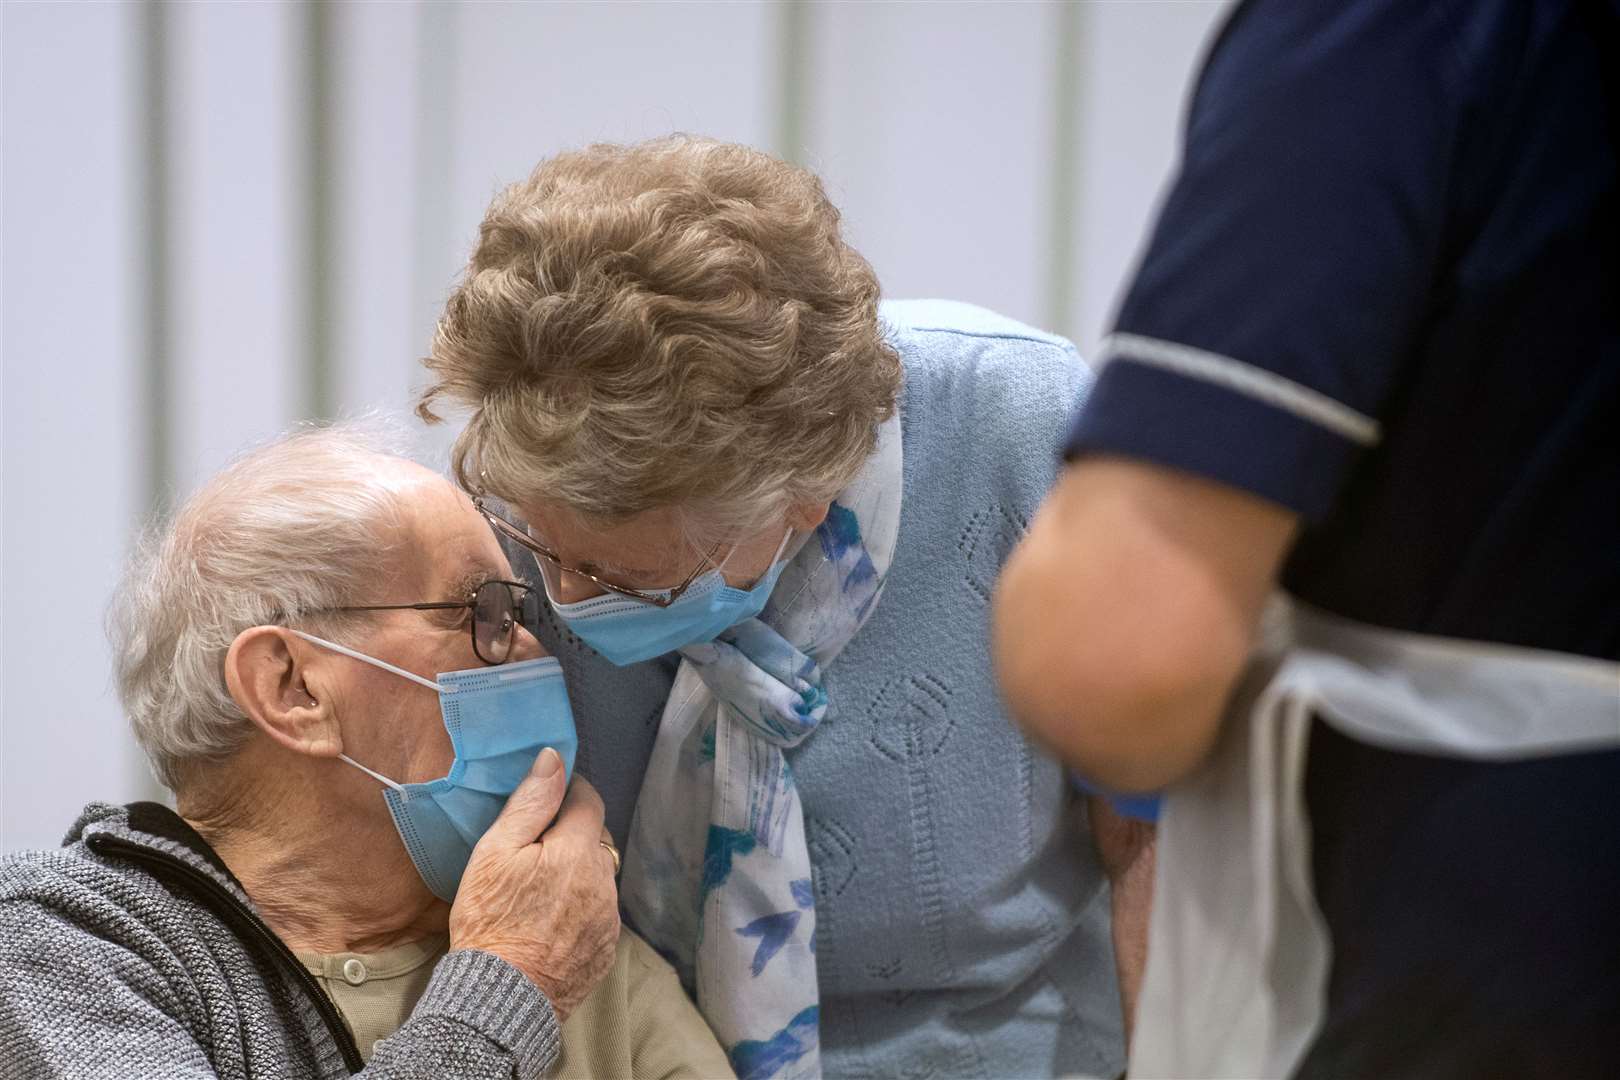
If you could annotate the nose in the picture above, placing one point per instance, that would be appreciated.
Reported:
(525, 646)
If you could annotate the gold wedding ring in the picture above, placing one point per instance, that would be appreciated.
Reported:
(613, 851)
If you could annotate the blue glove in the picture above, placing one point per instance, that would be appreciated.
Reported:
(1136, 807)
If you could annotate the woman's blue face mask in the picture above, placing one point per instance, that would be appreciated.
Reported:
(628, 631)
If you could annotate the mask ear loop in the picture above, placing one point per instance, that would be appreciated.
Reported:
(774, 558)
(386, 666)
(373, 773)
(374, 662)
(722, 564)
(781, 548)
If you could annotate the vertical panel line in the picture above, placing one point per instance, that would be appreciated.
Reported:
(793, 45)
(1064, 188)
(436, 52)
(319, 390)
(154, 268)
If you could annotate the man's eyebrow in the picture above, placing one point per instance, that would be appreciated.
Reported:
(468, 583)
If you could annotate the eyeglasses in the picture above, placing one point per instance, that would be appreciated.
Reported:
(552, 567)
(498, 609)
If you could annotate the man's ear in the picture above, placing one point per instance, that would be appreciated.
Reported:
(803, 517)
(277, 679)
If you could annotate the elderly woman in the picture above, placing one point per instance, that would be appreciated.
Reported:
(768, 514)
(324, 659)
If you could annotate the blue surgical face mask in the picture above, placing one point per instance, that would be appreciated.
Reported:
(627, 631)
(499, 719)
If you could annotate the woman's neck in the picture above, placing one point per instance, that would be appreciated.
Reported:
(325, 879)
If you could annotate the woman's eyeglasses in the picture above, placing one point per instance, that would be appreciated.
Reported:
(498, 609)
(552, 568)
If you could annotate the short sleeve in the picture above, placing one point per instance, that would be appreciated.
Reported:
(1288, 276)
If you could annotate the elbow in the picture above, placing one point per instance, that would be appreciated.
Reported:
(1125, 618)
(1132, 735)
(1131, 702)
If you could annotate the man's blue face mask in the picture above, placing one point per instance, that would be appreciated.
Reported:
(627, 631)
(499, 719)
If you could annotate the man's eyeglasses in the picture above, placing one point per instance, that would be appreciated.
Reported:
(498, 609)
(552, 568)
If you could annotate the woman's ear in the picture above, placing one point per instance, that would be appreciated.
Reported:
(802, 517)
(276, 679)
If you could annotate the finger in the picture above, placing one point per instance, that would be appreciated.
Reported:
(580, 819)
(532, 806)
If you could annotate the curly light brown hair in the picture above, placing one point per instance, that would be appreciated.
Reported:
(674, 323)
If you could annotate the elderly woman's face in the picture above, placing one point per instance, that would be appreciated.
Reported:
(651, 551)
(389, 723)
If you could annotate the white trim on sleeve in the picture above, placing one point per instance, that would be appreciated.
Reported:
(1246, 379)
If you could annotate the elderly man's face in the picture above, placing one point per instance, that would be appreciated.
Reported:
(391, 724)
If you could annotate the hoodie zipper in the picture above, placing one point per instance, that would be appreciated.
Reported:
(247, 925)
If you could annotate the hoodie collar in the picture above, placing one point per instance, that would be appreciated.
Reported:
(156, 828)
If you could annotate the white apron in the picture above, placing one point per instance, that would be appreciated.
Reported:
(1238, 953)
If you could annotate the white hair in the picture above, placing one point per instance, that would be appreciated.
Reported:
(290, 528)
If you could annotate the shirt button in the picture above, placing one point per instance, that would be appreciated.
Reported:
(354, 972)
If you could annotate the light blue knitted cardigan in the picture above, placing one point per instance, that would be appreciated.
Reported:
(962, 917)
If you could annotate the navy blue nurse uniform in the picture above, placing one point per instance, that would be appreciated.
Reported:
(1384, 293)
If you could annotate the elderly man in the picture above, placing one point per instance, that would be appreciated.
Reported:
(373, 858)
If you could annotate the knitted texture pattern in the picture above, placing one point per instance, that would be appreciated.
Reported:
(107, 971)
(961, 916)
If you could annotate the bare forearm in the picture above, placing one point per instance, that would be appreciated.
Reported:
(1088, 671)
(1126, 850)
(1124, 618)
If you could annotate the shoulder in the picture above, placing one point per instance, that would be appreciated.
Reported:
(47, 877)
(91, 955)
(62, 916)
(926, 317)
(73, 893)
(946, 337)
(72, 869)
(988, 387)
(68, 891)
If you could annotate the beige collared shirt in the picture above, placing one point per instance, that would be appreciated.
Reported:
(637, 1023)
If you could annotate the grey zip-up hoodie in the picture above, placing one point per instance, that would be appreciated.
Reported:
(132, 952)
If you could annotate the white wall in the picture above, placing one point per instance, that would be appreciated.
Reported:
(937, 127)
(72, 478)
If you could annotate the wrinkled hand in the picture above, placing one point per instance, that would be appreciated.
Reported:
(539, 892)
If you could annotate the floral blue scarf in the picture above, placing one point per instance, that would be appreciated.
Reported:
(717, 872)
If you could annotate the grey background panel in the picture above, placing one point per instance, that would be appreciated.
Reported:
(220, 218)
